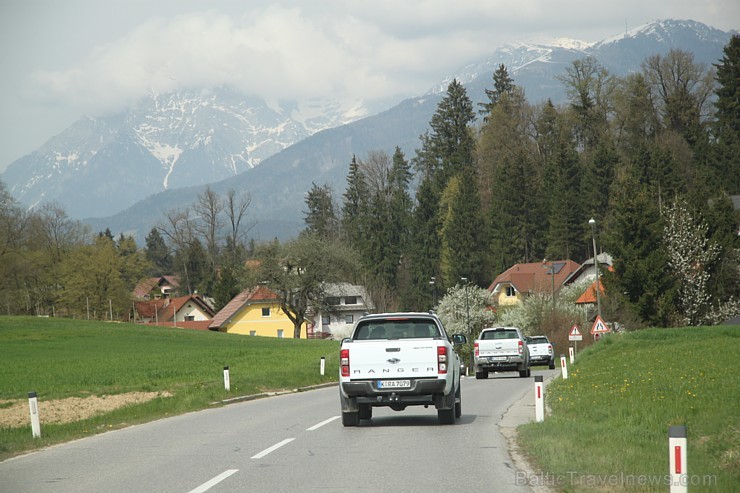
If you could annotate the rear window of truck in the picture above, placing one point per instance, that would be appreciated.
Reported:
(499, 334)
(408, 328)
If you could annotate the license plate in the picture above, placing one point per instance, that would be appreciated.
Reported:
(394, 384)
(497, 358)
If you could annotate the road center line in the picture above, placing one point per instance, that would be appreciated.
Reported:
(213, 482)
(273, 448)
(325, 422)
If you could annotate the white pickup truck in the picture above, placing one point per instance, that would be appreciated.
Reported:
(501, 349)
(397, 360)
(540, 351)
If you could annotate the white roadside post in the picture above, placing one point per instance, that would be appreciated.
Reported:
(323, 365)
(677, 458)
(227, 384)
(571, 354)
(539, 399)
(33, 403)
(563, 367)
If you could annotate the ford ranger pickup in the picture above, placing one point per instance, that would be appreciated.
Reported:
(499, 349)
(540, 351)
(398, 360)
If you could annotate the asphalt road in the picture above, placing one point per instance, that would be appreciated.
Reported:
(296, 443)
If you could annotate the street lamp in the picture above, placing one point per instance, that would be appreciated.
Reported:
(592, 222)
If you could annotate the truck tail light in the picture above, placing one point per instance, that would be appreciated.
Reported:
(441, 360)
(477, 352)
(344, 362)
(521, 347)
(549, 349)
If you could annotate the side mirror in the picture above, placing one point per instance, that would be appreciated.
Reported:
(459, 339)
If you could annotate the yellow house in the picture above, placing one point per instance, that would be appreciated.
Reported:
(513, 285)
(255, 312)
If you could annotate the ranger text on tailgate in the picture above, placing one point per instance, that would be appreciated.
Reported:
(397, 360)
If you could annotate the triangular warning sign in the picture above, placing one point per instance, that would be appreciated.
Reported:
(599, 326)
(574, 331)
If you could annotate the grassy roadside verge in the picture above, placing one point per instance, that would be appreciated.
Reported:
(58, 358)
(608, 426)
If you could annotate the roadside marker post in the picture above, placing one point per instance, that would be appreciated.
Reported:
(563, 367)
(571, 354)
(677, 459)
(539, 399)
(227, 383)
(323, 365)
(33, 403)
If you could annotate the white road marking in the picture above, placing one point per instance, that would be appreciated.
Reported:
(273, 448)
(213, 482)
(325, 422)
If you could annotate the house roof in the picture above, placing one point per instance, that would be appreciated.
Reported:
(603, 258)
(164, 309)
(146, 286)
(259, 294)
(535, 276)
(589, 296)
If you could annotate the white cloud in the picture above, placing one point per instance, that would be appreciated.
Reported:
(69, 58)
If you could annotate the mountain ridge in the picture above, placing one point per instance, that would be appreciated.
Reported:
(278, 182)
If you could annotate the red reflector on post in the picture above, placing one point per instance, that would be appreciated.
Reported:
(677, 458)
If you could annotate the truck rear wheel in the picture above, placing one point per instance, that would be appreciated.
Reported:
(458, 403)
(351, 418)
(552, 364)
(481, 375)
(525, 373)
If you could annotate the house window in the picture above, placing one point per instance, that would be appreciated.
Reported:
(252, 332)
(350, 300)
(333, 301)
(348, 319)
(266, 312)
(189, 318)
(326, 320)
(510, 291)
(280, 333)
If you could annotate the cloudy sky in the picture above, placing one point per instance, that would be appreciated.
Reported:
(64, 59)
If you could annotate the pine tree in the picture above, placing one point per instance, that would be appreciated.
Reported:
(321, 218)
(447, 151)
(633, 235)
(354, 208)
(158, 253)
(727, 125)
(502, 84)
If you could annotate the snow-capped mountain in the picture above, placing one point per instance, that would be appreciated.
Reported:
(128, 169)
(167, 141)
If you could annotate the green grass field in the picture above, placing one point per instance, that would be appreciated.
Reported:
(608, 425)
(60, 358)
